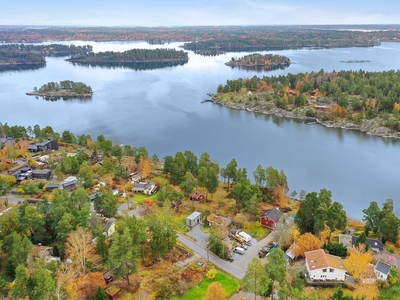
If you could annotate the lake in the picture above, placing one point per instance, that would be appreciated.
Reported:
(161, 110)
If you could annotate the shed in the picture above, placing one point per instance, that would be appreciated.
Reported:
(194, 219)
(197, 196)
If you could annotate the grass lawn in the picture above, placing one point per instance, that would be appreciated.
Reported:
(140, 198)
(229, 284)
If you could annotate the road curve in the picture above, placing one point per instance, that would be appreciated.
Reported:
(223, 264)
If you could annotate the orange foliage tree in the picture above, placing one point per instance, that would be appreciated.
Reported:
(88, 284)
(281, 197)
(215, 291)
(144, 166)
(306, 242)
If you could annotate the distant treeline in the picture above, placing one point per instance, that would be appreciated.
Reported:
(132, 56)
(20, 56)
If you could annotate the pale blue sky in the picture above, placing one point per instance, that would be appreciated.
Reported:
(196, 12)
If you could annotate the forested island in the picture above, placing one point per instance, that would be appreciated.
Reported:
(65, 89)
(134, 58)
(366, 101)
(21, 56)
(258, 61)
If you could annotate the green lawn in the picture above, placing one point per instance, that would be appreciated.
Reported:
(229, 284)
(140, 198)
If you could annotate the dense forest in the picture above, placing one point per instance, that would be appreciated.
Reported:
(20, 56)
(265, 62)
(132, 56)
(353, 96)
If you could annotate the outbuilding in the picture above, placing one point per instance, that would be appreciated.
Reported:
(194, 219)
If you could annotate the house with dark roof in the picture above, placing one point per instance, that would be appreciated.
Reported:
(350, 241)
(41, 174)
(382, 270)
(270, 217)
(322, 266)
(6, 141)
(51, 187)
(69, 184)
(48, 145)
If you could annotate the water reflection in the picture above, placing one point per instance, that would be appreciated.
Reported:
(81, 99)
(21, 67)
(139, 66)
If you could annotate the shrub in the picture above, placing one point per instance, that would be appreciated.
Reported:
(211, 274)
(310, 113)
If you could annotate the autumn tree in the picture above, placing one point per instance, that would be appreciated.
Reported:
(144, 166)
(215, 291)
(306, 242)
(89, 284)
(80, 248)
(256, 280)
(358, 263)
(281, 196)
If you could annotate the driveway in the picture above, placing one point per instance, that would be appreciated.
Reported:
(236, 268)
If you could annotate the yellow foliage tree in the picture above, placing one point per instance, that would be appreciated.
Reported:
(397, 106)
(215, 291)
(366, 291)
(11, 180)
(306, 242)
(357, 263)
(145, 166)
(80, 248)
(281, 197)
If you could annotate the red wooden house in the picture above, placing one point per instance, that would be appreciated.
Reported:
(270, 217)
(197, 196)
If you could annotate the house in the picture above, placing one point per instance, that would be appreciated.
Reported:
(48, 145)
(382, 270)
(150, 188)
(41, 174)
(7, 141)
(69, 184)
(94, 195)
(197, 196)
(51, 187)
(289, 255)
(350, 241)
(176, 204)
(139, 187)
(109, 226)
(322, 266)
(270, 217)
(217, 220)
(113, 292)
(44, 252)
(194, 219)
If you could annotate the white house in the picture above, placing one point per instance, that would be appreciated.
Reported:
(194, 219)
(322, 266)
(382, 270)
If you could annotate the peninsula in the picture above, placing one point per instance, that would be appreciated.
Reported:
(63, 89)
(358, 100)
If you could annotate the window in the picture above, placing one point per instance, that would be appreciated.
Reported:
(324, 270)
(331, 270)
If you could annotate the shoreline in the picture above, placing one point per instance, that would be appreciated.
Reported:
(289, 114)
(57, 94)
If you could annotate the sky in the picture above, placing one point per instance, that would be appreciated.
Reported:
(151, 13)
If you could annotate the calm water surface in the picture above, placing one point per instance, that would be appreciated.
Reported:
(161, 110)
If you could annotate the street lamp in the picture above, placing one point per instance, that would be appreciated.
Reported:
(208, 246)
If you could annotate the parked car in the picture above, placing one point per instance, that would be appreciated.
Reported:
(239, 250)
(229, 258)
(243, 246)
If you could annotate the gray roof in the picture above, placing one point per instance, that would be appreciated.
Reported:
(44, 171)
(194, 215)
(382, 267)
(273, 214)
(93, 196)
(109, 223)
(376, 244)
(52, 185)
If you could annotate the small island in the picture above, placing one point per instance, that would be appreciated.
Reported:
(138, 59)
(65, 89)
(260, 62)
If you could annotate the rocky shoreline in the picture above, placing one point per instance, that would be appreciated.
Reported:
(371, 127)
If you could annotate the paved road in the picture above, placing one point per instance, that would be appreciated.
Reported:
(229, 267)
